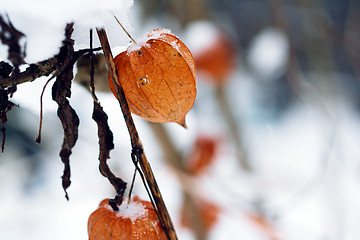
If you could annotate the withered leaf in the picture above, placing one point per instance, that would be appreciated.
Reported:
(5, 69)
(67, 115)
(106, 138)
(5, 106)
(105, 145)
(10, 36)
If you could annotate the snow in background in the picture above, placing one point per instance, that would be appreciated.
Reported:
(305, 158)
(43, 23)
(274, 43)
(205, 33)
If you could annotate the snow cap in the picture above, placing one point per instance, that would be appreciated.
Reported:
(43, 23)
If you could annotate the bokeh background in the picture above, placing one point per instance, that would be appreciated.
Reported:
(272, 145)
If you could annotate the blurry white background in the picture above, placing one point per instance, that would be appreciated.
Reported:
(292, 88)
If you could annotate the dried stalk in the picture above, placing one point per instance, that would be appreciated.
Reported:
(224, 106)
(137, 148)
(175, 159)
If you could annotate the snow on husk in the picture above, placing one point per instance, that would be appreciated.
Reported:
(153, 34)
(133, 210)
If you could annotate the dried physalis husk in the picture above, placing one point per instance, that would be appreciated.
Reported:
(207, 215)
(158, 77)
(213, 50)
(135, 220)
(202, 155)
(218, 59)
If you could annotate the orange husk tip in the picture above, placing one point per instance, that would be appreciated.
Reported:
(135, 220)
(158, 77)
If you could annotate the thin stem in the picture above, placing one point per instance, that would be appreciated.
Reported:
(137, 169)
(229, 117)
(132, 39)
(92, 68)
(132, 185)
(38, 138)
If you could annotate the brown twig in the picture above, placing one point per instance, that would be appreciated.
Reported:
(137, 148)
(34, 71)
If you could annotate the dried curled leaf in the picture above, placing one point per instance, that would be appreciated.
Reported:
(5, 106)
(105, 145)
(60, 92)
(11, 37)
(158, 77)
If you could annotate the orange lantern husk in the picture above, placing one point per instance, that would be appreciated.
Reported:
(219, 59)
(107, 224)
(207, 212)
(158, 78)
(202, 155)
